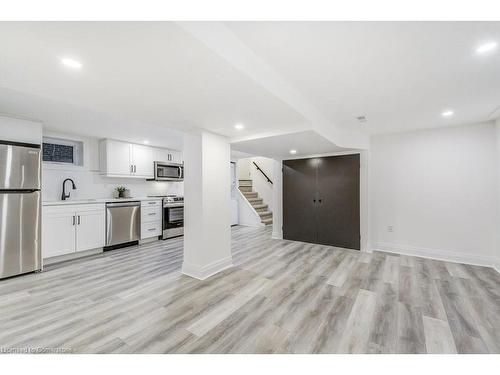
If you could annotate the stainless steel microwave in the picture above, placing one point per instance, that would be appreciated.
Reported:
(166, 171)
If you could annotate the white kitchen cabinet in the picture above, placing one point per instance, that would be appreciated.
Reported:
(115, 158)
(123, 159)
(58, 233)
(72, 228)
(151, 218)
(143, 158)
(162, 154)
(165, 155)
(176, 157)
(90, 228)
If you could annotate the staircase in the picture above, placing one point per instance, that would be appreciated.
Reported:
(266, 216)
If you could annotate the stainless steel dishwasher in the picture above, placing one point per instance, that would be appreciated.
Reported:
(123, 224)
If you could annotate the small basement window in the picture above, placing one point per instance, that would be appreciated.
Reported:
(62, 151)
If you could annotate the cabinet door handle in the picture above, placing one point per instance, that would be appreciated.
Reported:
(135, 168)
(151, 202)
(74, 219)
(152, 214)
(78, 219)
(151, 229)
(131, 168)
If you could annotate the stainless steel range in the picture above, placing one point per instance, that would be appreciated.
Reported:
(173, 216)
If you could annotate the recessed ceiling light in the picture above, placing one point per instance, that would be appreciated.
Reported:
(486, 47)
(361, 119)
(70, 63)
(447, 113)
(146, 142)
(239, 126)
(293, 152)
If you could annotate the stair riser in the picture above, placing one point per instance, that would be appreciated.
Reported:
(245, 189)
(245, 183)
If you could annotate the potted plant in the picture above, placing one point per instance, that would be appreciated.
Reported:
(123, 192)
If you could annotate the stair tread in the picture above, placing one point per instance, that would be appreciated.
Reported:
(260, 206)
(264, 213)
(267, 221)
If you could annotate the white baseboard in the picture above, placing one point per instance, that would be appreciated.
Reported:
(252, 224)
(277, 235)
(71, 256)
(439, 254)
(203, 272)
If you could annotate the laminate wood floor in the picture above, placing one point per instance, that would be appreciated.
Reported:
(281, 297)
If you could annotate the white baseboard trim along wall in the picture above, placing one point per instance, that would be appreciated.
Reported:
(439, 254)
(203, 272)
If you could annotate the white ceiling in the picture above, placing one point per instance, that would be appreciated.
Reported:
(153, 72)
(68, 118)
(400, 75)
(278, 147)
(274, 77)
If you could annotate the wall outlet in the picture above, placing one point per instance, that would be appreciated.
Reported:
(390, 228)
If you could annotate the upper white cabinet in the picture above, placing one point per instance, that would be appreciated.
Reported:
(142, 158)
(123, 159)
(162, 154)
(115, 158)
(176, 157)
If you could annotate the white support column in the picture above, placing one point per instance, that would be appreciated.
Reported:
(277, 199)
(207, 200)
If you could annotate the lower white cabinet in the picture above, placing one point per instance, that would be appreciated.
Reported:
(151, 218)
(71, 228)
(58, 232)
(90, 228)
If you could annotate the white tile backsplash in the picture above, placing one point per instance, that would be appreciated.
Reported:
(90, 184)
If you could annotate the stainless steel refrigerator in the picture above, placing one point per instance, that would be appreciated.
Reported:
(20, 208)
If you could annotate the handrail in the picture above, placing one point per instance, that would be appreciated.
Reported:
(261, 171)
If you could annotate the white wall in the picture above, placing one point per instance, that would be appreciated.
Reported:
(89, 183)
(243, 169)
(439, 190)
(19, 130)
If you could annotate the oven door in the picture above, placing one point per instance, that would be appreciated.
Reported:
(169, 172)
(173, 221)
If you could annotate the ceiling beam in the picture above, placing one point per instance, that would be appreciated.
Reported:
(221, 40)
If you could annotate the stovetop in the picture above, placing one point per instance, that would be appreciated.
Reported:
(169, 198)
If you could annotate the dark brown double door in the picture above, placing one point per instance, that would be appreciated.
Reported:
(321, 200)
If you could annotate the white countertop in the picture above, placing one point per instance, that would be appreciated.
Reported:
(97, 200)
